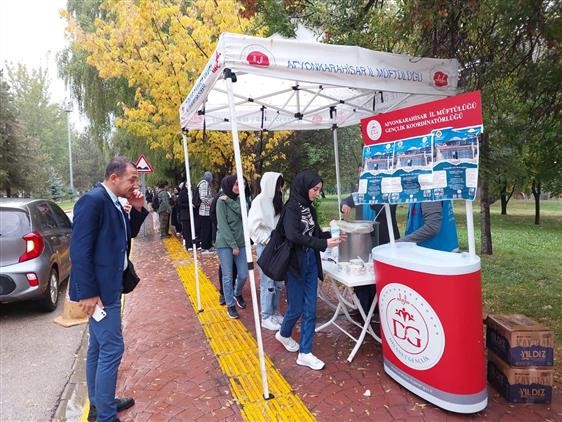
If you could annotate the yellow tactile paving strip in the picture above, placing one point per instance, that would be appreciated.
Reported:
(236, 352)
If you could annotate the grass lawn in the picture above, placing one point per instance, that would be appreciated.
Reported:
(524, 274)
(66, 204)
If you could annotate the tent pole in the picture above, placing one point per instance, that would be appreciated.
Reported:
(389, 224)
(470, 228)
(191, 221)
(249, 258)
(333, 114)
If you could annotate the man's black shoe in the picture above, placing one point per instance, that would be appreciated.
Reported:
(122, 404)
(240, 301)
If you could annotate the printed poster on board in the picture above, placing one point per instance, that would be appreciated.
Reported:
(428, 152)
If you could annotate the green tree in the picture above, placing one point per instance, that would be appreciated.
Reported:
(90, 159)
(42, 121)
(14, 147)
(99, 99)
(56, 186)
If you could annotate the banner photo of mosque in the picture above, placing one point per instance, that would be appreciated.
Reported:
(439, 163)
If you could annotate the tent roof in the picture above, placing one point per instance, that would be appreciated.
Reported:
(293, 85)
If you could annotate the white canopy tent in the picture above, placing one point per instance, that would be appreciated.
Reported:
(254, 84)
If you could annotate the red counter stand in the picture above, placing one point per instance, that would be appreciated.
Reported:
(430, 305)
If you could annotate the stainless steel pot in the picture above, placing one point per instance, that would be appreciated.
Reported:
(362, 236)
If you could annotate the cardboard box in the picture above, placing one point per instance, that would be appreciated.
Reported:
(519, 340)
(520, 384)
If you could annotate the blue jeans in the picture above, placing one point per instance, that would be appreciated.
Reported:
(270, 290)
(226, 259)
(301, 297)
(105, 349)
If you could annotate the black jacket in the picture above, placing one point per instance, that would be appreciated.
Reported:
(183, 204)
(293, 229)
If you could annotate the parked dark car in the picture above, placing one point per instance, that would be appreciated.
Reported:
(34, 250)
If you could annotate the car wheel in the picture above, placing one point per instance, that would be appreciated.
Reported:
(51, 295)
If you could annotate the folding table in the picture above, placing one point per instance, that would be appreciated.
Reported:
(338, 279)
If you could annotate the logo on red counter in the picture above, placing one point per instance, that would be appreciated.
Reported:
(411, 327)
(440, 79)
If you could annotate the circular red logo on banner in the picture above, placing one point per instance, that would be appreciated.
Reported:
(440, 79)
(257, 58)
(374, 130)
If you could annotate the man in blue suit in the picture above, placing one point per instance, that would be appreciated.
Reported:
(99, 249)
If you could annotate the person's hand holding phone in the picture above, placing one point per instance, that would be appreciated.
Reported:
(89, 305)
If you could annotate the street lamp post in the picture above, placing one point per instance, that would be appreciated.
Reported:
(68, 110)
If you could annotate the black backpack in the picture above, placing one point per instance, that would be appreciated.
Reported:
(213, 208)
(196, 197)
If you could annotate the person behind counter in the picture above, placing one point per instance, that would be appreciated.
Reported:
(432, 225)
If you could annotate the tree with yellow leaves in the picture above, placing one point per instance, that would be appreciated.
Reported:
(160, 47)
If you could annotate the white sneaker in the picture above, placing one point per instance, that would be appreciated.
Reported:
(308, 359)
(270, 324)
(278, 319)
(290, 344)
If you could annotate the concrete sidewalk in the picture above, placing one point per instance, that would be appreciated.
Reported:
(177, 368)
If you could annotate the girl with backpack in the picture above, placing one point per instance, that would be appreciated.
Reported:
(301, 228)
(262, 219)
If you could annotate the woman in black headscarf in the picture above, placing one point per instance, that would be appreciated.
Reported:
(230, 245)
(301, 227)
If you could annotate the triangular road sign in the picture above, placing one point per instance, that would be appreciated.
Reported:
(143, 166)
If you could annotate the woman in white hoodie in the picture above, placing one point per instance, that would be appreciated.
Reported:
(262, 219)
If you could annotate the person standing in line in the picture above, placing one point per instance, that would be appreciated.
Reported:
(262, 220)
(301, 228)
(99, 249)
(204, 220)
(164, 210)
(230, 245)
(175, 218)
(183, 206)
(149, 195)
(213, 215)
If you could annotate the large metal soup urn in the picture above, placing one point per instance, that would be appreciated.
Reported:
(362, 236)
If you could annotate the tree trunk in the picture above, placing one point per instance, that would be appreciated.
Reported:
(536, 189)
(485, 221)
(505, 197)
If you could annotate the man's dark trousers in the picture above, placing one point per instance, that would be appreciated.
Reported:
(105, 350)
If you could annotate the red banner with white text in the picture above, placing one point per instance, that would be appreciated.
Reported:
(459, 111)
